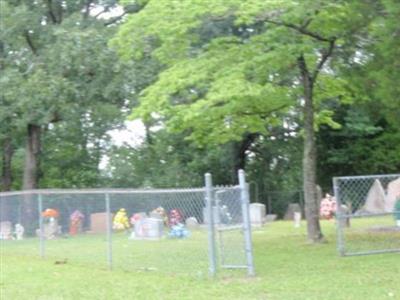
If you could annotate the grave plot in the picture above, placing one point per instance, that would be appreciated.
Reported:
(197, 231)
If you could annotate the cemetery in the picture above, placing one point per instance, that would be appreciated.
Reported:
(199, 149)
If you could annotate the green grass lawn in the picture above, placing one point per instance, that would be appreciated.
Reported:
(287, 268)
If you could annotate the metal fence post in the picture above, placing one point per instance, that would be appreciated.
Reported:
(339, 218)
(109, 233)
(211, 232)
(244, 197)
(41, 228)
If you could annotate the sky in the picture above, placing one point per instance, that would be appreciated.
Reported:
(133, 135)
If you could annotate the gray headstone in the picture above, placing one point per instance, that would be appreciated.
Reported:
(191, 223)
(375, 201)
(270, 218)
(292, 208)
(257, 214)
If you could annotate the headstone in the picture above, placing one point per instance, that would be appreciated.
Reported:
(19, 231)
(51, 229)
(297, 219)
(393, 192)
(98, 222)
(5, 230)
(292, 208)
(375, 201)
(192, 223)
(149, 228)
(344, 210)
(270, 218)
(257, 214)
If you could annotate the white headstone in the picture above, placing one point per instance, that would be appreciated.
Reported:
(297, 219)
(51, 229)
(149, 228)
(257, 214)
(5, 230)
(393, 192)
(375, 201)
(19, 231)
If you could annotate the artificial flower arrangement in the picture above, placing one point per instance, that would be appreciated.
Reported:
(327, 207)
(136, 218)
(50, 213)
(178, 229)
(76, 219)
(175, 217)
(161, 212)
(121, 221)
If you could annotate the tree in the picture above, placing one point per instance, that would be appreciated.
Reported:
(65, 71)
(231, 66)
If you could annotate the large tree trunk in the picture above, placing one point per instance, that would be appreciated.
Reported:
(240, 149)
(6, 177)
(31, 174)
(310, 158)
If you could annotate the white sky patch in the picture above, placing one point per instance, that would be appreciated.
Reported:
(113, 12)
(133, 135)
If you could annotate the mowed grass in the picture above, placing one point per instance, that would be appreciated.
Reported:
(287, 268)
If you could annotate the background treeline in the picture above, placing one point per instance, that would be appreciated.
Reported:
(218, 85)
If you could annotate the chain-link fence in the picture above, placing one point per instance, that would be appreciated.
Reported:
(368, 214)
(173, 231)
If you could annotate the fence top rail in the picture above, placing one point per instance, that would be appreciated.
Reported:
(366, 176)
(100, 191)
(109, 191)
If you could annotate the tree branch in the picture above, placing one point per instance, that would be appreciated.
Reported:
(87, 9)
(115, 20)
(263, 114)
(301, 29)
(30, 42)
(51, 13)
(305, 73)
(325, 55)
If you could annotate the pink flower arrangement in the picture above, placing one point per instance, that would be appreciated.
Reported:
(76, 215)
(135, 218)
(175, 217)
(327, 207)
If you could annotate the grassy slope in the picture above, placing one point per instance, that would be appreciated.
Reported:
(287, 268)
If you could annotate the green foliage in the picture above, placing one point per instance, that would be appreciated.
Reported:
(60, 74)
(227, 68)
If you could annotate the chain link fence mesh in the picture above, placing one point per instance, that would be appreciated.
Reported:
(135, 230)
(368, 216)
